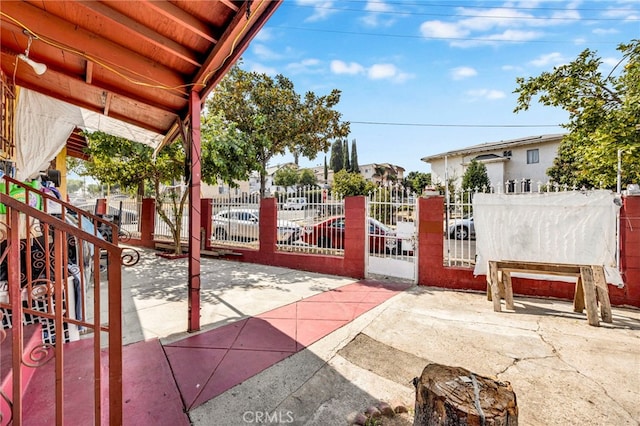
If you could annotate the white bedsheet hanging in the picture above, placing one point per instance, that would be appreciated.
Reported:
(576, 227)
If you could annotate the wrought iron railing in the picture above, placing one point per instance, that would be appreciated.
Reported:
(61, 276)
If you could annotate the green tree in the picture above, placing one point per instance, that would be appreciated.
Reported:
(286, 177)
(349, 184)
(354, 157)
(337, 157)
(117, 161)
(227, 154)
(604, 116)
(345, 153)
(326, 170)
(307, 178)
(417, 181)
(476, 177)
(275, 118)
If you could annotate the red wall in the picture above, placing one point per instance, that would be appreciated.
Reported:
(431, 270)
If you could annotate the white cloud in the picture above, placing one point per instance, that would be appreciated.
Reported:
(605, 31)
(307, 66)
(610, 62)
(552, 59)
(263, 69)
(263, 52)
(375, 17)
(461, 73)
(488, 94)
(341, 67)
(511, 68)
(439, 29)
(382, 71)
(498, 24)
(321, 9)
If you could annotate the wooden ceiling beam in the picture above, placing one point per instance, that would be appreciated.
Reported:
(92, 47)
(182, 18)
(123, 23)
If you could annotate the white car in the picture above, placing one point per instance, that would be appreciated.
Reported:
(297, 203)
(243, 224)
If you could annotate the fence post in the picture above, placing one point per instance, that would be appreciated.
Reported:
(355, 218)
(206, 209)
(268, 227)
(148, 222)
(101, 206)
(430, 239)
(629, 253)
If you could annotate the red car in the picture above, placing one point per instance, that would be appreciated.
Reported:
(330, 234)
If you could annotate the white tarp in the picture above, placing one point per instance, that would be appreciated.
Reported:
(572, 227)
(43, 125)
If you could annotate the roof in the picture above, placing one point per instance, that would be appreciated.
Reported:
(134, 61)
(492, 146)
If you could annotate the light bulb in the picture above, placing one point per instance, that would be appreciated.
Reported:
(38, 68)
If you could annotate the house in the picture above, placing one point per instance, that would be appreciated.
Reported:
(382, 174)
(250, 186)
(516, 165)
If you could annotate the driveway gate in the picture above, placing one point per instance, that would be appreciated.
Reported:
(391, 236)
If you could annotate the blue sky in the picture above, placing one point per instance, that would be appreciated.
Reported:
(421, 77)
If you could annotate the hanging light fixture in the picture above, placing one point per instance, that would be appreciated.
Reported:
(38, 68)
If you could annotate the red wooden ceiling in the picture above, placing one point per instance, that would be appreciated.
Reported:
(135, 61)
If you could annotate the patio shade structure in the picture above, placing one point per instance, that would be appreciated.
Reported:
(148, 63)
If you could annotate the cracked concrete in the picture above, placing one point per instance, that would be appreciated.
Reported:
(562, 370)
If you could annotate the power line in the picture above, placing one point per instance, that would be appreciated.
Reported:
(493, 40)
(465, 15)
(383, 123)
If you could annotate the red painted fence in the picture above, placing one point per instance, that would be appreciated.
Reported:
(431, 269)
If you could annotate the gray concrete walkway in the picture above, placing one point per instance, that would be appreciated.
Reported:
(562, 370)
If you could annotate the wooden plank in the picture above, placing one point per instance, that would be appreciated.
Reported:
(536, 267)
(590, 299)
(602, 292)
(508, 290)
(495, 290)
(578, 297)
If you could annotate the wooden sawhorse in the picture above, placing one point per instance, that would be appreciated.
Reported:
(591, 286)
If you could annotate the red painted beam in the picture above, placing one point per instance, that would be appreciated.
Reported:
(194, 214)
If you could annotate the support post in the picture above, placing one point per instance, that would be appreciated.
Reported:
(194, 213)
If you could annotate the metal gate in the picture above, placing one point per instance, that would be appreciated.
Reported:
(391, 237)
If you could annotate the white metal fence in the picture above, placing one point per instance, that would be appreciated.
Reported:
(311, 220)
(235, 221)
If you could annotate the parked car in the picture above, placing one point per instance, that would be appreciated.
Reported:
(297, 203)
(462, 229)
(330, 233)
(243, 224)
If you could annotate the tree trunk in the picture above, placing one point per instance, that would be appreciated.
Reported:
(452, 396)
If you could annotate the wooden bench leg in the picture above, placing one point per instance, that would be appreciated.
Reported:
(578, 298)
(590, 298)
(508, 290)
(495, 288)
(602, 292)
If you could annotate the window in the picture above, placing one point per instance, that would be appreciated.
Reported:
(533, 156)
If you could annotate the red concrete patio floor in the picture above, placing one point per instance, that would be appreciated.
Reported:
(208, 364)
(162, 383)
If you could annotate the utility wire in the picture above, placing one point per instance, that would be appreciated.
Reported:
(383, 123)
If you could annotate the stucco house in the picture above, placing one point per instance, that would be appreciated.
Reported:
(515, 165)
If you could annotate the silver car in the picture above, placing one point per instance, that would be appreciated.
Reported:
(461, 229)
(243, 225)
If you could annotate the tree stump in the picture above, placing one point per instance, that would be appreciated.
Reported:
(452, 396)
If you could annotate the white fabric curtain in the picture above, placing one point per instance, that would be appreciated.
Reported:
(572, 227)
(43, 125)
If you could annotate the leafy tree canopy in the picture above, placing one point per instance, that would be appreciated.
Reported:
(275, 118)
(476, 177)
(349, 184)
(307, 178)
(286, 177)
(417, 181)
(604, 116)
